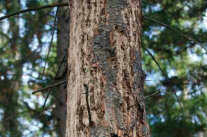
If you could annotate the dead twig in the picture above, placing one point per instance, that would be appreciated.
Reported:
(177, 31)
(165, 75)
(50, 47)
(146, 97)
(33, 9)
(49, 87)
(56, 75)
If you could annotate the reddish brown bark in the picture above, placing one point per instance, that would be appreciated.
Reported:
(104, 54)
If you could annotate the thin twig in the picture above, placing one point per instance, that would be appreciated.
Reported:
(49, 87)
(155, 61)
(147, 80)
(50, 47)
(146, 97)
(165, 75)
(33, 9)
(49, 90)
(88, 107)
(177, 31)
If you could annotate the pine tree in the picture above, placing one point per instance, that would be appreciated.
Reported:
(105, 76)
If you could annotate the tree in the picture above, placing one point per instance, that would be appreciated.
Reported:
(105, 76)
(62, 43)
(9, 99)
(179, 73)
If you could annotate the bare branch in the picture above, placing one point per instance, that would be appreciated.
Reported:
(177, 31)
(146, 97)
(155, 61)
(50, 47)
(165, 75)
(56, 75)
(34, 9)
(49, 87)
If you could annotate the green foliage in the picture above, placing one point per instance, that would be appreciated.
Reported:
(22, 53)
(176, 56)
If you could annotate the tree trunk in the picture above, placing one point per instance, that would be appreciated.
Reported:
(11, 87)
(63, 43)
(104, 57)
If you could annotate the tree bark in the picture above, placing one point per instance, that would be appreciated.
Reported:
(104, 57)
(63, 43)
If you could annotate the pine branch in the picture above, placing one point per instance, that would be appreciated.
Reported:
(177, 31)
(146, 97)
(33, 9)
(165, 75)
(50, 47)
(56, 75)
(49, 87)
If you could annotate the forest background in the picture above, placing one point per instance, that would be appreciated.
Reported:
(26, 39)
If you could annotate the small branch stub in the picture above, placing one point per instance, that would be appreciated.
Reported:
(49, 87)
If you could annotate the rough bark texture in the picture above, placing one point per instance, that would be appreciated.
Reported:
(63, 43)
(104, 55)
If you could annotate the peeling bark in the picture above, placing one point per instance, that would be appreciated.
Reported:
(104, 54)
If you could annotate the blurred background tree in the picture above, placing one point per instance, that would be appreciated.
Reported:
(24, 44)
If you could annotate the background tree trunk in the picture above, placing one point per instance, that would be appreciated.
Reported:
(10, 122)
(63, 43)
(104, 55)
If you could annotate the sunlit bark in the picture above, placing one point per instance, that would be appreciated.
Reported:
(105, 56)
